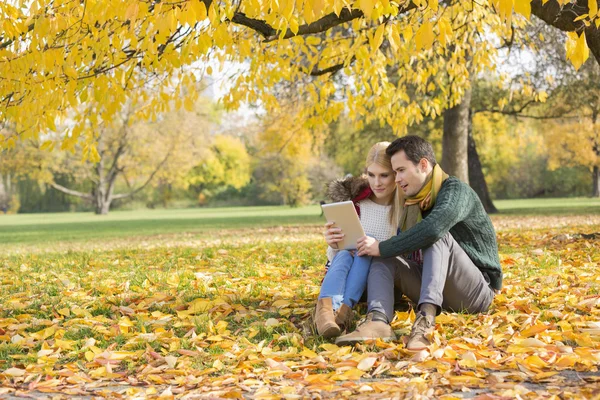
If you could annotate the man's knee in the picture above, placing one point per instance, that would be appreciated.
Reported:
(445, 241)
(381, 267)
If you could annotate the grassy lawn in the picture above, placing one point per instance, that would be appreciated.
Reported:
(217, 303)
(232, 320)
(49, 228)
(42, 228)
(570, 206)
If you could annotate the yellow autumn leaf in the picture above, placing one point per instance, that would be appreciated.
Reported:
(121, 355)
(523, 7)
(366, 363)
(377, 38)
(535, 361)
(218, 365)
(89, 355)
(330, 347)
(173, 280)
(465, 380)
(533, 330)
(199, 9)
(44, 333)
(350, 374)
(281, 303)
(577, 50)
(14, 372)
(424, 36)
(199, 305)
(308, 353)
(367, 7)
(593, 8)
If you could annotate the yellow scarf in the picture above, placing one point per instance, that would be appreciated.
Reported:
(423, 201)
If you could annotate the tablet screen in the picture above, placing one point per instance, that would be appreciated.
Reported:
(344, 215)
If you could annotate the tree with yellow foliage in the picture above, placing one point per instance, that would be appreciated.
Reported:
(132, 155)
(398, 61)
(225, 164)
(62, 54)
(575, 139)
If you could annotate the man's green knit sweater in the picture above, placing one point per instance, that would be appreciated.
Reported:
(459, 211)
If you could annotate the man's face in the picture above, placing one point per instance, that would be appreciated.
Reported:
(410, 177)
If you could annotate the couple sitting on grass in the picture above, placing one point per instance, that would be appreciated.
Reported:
(428, 237)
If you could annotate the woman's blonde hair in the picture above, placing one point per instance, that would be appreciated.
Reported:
(377, 155)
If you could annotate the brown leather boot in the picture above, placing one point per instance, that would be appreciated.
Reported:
(344, 317)
(325, 319)
(421, 332)
(374, 326)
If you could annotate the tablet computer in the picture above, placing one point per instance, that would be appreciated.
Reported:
(344, 215)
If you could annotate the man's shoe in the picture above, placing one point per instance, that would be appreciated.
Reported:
(374, 326)
(421, 331)
(325, 319)
(344, 317)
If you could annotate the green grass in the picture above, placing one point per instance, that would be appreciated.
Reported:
(45, 228)
(571, 206)
(34, 229)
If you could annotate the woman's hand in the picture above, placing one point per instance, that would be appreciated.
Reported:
(333, 235)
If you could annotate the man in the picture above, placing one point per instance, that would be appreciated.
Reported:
(444, 257)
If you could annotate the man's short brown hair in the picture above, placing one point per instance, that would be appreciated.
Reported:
(415, 148)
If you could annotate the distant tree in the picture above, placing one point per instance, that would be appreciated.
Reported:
(226, 164)
(136, 153)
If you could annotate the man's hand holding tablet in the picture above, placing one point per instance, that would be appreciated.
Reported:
(368, 246)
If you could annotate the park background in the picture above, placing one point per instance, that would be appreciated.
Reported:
(162, 165)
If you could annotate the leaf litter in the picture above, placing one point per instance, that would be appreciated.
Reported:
(233, 321)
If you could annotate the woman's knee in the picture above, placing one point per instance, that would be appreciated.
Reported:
(342, 261)
(343, 254)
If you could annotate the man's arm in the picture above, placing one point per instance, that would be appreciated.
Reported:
(453, 204)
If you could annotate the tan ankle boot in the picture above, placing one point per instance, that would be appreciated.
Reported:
(421, 332)
(374, 326)
(325, 319)
(344, 317)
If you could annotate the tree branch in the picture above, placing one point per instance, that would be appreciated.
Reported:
(558, 16)
(114, 170)
(330, 70)
(158, 167)
(562, 17)
(255, 24)
(517, 114)
(323, 24)
(71, 192)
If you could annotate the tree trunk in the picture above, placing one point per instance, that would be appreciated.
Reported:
(596, 178)
(455, 160)
(102, 199)
(596, 149)
(102, 207)
(4, 195)
(476, 177)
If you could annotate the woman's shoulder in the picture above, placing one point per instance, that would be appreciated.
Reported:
(349, 188)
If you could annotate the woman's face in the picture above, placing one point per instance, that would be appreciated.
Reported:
(381, 181)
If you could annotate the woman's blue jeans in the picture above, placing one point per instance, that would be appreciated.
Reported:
(346, 279)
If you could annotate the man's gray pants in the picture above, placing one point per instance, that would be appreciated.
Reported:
(447, 278)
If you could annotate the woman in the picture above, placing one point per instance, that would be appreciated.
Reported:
(375, 199)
